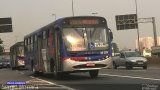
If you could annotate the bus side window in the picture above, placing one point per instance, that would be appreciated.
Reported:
(52, 33)
(28, 44)
(47, 37)
(35, 42)
(44, 36)
(32, 43)
(50, 38)
(25, 45)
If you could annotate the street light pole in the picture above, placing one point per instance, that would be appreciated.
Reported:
(154, 31)
(54, 16)
(94, 13)
(137, 27)
(72, 8)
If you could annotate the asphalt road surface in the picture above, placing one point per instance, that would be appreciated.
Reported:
(109, 79)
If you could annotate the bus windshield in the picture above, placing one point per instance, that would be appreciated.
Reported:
(20, 51)
(85, 39)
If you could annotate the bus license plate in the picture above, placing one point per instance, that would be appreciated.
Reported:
(140, 62)
(90, 64)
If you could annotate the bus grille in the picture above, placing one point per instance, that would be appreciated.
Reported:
(85, 66)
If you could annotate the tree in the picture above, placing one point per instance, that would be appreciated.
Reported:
(1, 47)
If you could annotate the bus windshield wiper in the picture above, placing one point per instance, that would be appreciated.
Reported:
(81, 34)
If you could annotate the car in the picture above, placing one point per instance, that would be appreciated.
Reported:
(1, 65)
(129, 59)
(5, 63)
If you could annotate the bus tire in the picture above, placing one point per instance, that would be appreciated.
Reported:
(93, 73)
(12, 68)
(35, 73)
(114, 65)
(58, 75)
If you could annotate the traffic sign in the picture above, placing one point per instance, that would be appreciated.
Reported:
(126, 21)
(5, 25)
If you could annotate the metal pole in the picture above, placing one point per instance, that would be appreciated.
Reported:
(54, 16)
(139, 49)
(154, 31)
(94, 13)
(16, 38)
(72, 8)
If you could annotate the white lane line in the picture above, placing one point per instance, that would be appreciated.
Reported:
(153, 68)
(44, 80)
(154, 79)
(52, 84)
(21, 73)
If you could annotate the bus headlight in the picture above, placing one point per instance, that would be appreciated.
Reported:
(107, 57)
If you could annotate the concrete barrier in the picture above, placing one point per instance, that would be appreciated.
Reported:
(153, 60)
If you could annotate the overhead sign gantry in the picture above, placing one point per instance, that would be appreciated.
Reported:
(5, 25)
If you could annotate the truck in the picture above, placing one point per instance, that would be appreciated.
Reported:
(129, 59)
(155, 51)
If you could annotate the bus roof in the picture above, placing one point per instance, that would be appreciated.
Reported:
(17, 44)
(59, 22)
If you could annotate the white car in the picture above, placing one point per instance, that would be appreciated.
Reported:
(129, 59)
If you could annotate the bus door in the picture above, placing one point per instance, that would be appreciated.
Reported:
(44, 50)
(51, 50)
(39, 46)
(57, 59)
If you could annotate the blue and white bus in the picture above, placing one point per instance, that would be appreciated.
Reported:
(69, 44)
(17, 55)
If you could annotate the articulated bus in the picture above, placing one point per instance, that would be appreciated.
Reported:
(17, 55)
(69, 44)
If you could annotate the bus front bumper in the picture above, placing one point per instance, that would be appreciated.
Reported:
(72, 65)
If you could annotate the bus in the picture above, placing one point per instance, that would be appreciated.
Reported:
(17, 55)
(69, 44)
(155, 50)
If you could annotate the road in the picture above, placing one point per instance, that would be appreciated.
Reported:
(32, 83)
(109, 79)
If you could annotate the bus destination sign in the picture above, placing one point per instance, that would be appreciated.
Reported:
(83, 22)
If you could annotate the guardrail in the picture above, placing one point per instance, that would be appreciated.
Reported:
(154, 61)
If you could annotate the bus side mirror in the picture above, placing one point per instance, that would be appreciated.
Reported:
(110, 34)
(57, 28)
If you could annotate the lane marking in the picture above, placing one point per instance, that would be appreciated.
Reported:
(44, 80)
(51, 83)
(153, 68)
(154, 79)
(21, 73)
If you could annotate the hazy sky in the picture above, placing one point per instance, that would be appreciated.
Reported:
(29, 15)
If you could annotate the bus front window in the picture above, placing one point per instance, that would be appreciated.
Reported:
(20, 51)
(85, 39)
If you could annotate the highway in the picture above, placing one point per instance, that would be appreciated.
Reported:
(109, 79)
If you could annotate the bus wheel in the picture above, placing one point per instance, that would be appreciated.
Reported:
(36, 73)
(93, 73)
(13, 68)
(114, 65)
(57, 75)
